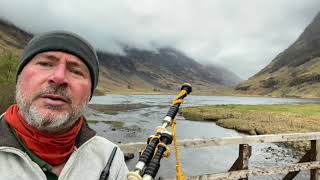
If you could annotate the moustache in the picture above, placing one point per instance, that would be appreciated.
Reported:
(59, 91)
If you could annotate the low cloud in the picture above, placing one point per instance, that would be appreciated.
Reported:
(242, 36)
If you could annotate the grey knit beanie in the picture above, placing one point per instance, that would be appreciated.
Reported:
(66, 42)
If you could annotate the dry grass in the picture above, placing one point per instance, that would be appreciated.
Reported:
(261, 119)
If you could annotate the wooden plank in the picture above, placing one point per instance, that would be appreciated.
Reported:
(256, 139)
(305, 158)
(267, 171)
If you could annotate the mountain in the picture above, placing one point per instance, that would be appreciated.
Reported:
(138, 70)
(163, 70)
(294, 72)
(11, 37)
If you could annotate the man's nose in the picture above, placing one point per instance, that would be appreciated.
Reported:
(59, 75)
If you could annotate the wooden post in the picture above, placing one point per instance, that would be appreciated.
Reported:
(315, 156)
(305, 158)
(244, 155)
(242, 161)
(235, 165)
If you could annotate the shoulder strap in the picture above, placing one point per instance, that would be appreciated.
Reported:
(105, 173)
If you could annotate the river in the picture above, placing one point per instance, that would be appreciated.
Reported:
(137, 125)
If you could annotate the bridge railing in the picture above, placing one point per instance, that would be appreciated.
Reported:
(240, 168)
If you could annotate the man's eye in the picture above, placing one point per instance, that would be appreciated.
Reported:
(44, 64)
(77, 72)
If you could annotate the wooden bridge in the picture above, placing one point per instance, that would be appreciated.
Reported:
(240, 168)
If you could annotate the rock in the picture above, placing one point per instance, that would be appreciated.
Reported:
(260, 132)
(128, 156)
(252, 132)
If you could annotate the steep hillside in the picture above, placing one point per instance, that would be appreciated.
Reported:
(294, 72)
(11, 37)
(164, 70)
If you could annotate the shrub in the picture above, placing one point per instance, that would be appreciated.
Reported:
(269, 83)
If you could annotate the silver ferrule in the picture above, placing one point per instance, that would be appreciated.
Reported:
(139, 166)
(167, 119)
(147, 177)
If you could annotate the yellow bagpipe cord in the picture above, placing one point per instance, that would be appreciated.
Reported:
(179, 171)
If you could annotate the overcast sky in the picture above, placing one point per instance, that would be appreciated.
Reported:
(240, 35)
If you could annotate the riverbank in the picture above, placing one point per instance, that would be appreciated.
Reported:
(261, 119)
(218, 91)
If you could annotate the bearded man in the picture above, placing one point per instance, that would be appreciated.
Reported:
(45, 135)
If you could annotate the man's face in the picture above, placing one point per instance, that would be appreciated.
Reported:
(53, 90)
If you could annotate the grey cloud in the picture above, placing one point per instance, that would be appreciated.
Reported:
(243, 36)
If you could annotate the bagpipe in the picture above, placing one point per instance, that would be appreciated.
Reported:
(158, 144)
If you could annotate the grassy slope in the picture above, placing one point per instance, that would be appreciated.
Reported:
(261, 119)
(301, 81)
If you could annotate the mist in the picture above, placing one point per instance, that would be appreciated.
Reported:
(242, 36)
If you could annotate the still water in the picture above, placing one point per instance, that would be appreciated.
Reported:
(138, 125)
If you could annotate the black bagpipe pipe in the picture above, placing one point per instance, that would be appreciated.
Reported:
(157, 145)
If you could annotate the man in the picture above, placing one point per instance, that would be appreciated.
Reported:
(44, 135)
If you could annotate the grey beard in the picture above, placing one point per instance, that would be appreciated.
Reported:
(48, 122)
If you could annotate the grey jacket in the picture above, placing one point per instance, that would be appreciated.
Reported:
(86, 163)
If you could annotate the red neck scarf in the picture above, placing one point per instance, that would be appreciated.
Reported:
(53, 149)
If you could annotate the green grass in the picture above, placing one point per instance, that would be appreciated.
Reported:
(8, 65)
(261, 119)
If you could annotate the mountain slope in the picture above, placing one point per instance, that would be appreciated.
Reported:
(164, 70)
(294, 72)
(11, 37)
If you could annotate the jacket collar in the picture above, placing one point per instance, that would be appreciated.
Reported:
(8, 139)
